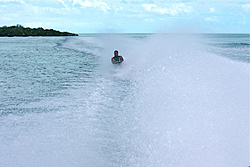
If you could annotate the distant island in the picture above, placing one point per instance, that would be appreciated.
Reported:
(21, 31)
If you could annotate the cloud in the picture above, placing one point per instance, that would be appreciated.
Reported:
(214, 18)
(173, 9)
(63, 3)
(20, 1)
(148, 6)
(6, 0)
(83, 4)
(246, 7)
(212, 10)
(104, 4)
(149, 19)
(123, 1)
(96, 4)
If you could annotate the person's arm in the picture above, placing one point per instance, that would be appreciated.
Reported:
(113, 60)
(122, 59)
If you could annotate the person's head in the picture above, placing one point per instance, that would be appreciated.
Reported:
(116, 52)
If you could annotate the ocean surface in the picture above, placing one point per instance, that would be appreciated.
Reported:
(178, 100)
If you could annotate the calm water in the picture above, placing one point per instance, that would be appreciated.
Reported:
(177, 100)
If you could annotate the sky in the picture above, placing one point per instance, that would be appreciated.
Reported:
(129, 16)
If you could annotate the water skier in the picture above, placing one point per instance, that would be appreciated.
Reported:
(117, 59)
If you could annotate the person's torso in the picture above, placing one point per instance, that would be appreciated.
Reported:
(118, 59)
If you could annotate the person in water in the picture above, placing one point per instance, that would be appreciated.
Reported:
(117, 59)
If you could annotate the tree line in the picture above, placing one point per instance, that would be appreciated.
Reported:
(19, 30)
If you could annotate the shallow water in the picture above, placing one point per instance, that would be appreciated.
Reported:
(177, 100)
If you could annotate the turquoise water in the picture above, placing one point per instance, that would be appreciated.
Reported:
(177, 100)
